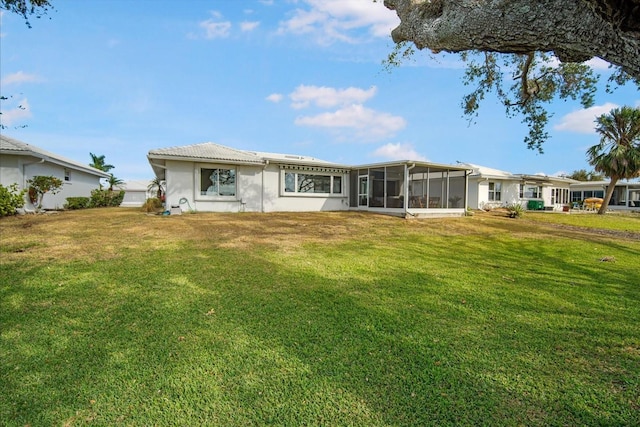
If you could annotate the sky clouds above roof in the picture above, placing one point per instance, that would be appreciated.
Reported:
(348, 118)
(583, 121)
(330, 21)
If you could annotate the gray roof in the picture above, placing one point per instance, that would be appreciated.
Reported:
(206, 151)
(19, 148)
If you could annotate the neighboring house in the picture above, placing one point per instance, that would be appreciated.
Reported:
(492, 188)
(136, 193)
(626, 195)
(20, 162)
(214, 178)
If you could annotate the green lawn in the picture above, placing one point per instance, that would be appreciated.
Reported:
(110, 316)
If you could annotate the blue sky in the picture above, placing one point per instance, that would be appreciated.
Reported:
(120, 77)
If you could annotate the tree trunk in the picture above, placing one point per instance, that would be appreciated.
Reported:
(575, 30)
(607, 196)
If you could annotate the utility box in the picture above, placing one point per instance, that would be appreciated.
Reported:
(535, 205)
(175, 210)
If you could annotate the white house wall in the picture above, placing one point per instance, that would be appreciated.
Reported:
(10, 171)
(479, 194)
(257, 190)
(19, 169)
(276, 201)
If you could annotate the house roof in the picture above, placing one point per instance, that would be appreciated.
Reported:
(485, 172)
(205, 151)
(18, 148)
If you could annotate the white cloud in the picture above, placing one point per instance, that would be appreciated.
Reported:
(341, 20)
(18, 78)
(249, 26)
(16, 114)
(363, 123)
(398, 151)
(327, 97)
(275, 97)
(214, 27)
(598, 64)
(582, 121)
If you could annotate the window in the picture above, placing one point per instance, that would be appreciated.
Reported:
(495, 191)
(311, 183)
(530, 191)
(217, 182)
(67, 175)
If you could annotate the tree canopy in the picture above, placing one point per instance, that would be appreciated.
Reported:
(98, 162)
(617, 155)
(526, 52)
(585, 175)
(27, 8)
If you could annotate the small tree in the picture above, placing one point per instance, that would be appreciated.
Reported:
(40, 185)
(156, 184)
(114, 182)
(618, 153)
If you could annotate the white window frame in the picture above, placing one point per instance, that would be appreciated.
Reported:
(523, 194)
(296, 193)
(497, 189)
(198, 181)
(67, 175)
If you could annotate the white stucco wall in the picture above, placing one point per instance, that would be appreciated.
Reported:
(479, 194)
(19, 169)
(10, 171)
(257, 190)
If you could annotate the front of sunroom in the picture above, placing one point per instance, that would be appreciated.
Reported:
(409, 189)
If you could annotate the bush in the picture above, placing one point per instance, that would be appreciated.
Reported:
(152, 205)
(105, 198)
(515, 210)
(10, 199)
(77, 203)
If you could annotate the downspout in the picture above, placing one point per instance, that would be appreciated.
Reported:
(266, 163)
(24, 170)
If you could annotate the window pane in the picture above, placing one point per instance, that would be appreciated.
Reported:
(207, 187)
(305, 183)
(227, 182)
(337, 185)
(290, 182)
(217, 182)
(322, 184)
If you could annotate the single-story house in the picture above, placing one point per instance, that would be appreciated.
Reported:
(20, 162)
(626, 195)
(492, 188)
(213, 178)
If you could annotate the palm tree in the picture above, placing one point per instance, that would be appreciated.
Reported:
(618, 153)
(98, 162)
(114, 182)
(157, 184)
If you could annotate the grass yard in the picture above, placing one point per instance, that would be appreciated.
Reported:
(111, 316)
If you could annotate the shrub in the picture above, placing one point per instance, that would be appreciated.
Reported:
(10, 199)
(104, 198)
(515, 210)
(152, 205)
(77, 203)
(39, 185)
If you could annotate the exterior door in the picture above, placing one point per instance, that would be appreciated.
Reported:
(363, 190)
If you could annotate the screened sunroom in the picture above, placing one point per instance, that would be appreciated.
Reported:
(409, 189)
